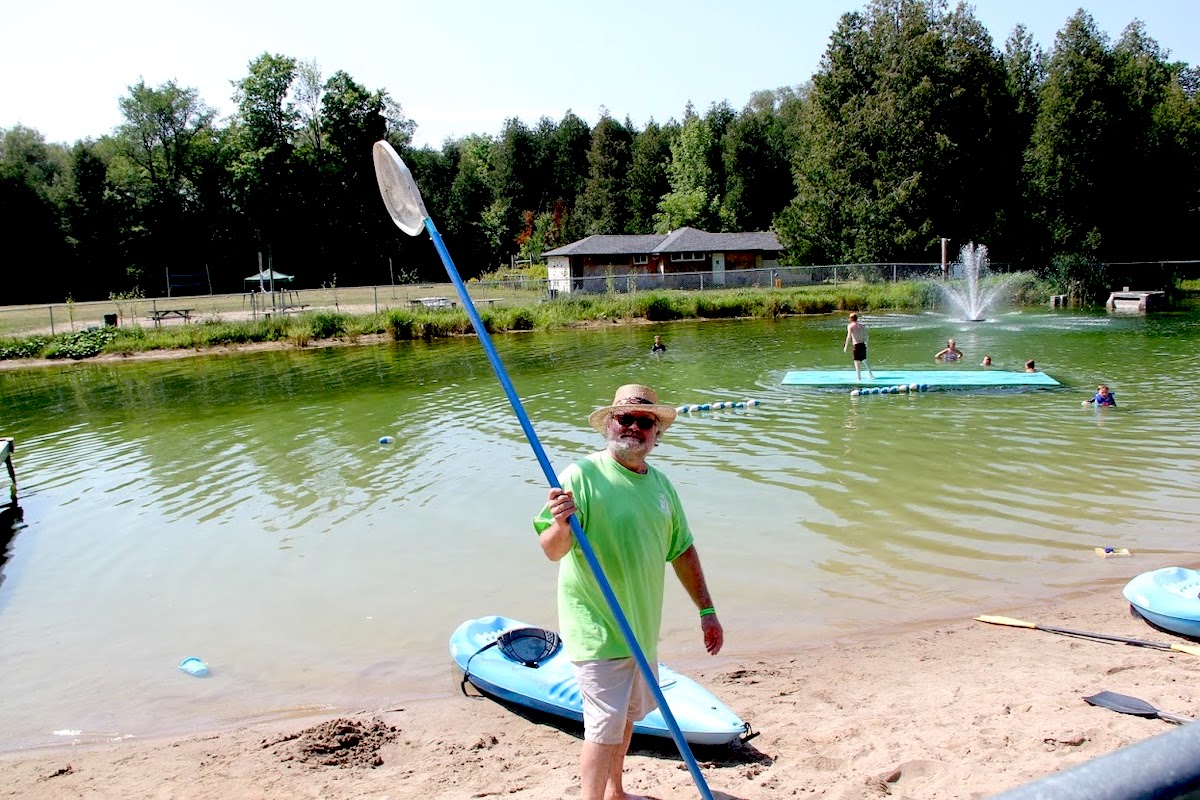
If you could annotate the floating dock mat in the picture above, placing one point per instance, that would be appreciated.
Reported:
(953, 378)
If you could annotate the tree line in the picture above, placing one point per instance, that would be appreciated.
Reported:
(915, 127)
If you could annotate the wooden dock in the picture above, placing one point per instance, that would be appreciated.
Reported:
(6, 450)
(1136, 302)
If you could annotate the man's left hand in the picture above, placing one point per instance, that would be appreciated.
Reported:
(714, 634)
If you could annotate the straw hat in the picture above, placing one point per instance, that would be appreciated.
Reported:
(634, 397)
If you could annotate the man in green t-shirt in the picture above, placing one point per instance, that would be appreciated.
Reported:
(635, 525)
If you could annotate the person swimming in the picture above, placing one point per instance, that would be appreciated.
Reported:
(949, 353)
(987, 361)
(1103, 397)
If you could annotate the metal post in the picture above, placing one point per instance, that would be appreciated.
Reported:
(375, 291)
(945, 266)
(168, 281)
(51, 310)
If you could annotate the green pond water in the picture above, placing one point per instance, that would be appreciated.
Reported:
(240, 508)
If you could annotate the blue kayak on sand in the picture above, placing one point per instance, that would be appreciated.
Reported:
(1169, 598)
(537, 674)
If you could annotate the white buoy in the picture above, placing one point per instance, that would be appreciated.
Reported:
(387, 440)
(855, 392)
(751, 402)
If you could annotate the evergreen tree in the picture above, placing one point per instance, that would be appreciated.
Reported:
(602, 205)
(647, 181)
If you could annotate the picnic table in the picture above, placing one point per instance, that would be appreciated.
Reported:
(433, 302)
(159, 314)
(286, 309)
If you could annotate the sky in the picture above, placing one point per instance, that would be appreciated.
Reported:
(459, 67)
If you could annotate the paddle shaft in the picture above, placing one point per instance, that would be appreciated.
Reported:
(580, 538)
(1017, 623)
(1105, 636)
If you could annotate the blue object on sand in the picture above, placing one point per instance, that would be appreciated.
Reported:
(547, 683)
(194, 666)
(922, 377)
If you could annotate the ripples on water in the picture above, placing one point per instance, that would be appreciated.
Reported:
(240, 508)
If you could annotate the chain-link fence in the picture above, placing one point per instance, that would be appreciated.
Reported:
(777, 277)
(54, 318)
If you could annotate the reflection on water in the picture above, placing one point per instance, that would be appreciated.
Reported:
(10, 522)
(240, 508)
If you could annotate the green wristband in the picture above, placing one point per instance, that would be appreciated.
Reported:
(704, 612)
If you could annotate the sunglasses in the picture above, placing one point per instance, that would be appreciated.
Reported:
(629, 420)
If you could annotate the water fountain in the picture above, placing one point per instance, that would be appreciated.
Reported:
(964, 290)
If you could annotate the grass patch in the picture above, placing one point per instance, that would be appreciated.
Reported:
(403, 324)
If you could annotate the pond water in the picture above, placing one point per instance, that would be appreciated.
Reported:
(240, 508)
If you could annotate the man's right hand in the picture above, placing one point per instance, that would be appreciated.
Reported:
(562, 504)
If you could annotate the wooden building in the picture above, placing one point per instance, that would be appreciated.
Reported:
(677, 259)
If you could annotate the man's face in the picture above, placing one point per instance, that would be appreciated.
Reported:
(631, 434)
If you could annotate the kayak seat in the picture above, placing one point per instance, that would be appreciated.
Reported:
(529, 646)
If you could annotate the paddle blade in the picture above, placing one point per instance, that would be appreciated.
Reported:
(1123, 704)
(1190, 649)
(1016, 623)
(399, 190)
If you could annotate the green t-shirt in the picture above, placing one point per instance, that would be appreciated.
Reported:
(635, 525)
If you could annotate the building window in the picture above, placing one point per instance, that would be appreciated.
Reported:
(641, 260)
(688, 257)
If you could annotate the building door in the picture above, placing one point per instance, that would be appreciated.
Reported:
(718, 262)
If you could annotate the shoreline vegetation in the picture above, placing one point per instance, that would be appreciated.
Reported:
(330, 326)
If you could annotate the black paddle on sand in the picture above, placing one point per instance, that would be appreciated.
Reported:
(1124, 704)
(1190, 649)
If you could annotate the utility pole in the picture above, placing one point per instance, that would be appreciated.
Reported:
(945, 266)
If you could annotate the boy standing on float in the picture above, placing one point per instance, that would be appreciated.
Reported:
(856, 334)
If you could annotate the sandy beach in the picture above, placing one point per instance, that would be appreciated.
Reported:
(959, 709)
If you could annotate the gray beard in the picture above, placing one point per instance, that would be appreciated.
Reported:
(629, 449)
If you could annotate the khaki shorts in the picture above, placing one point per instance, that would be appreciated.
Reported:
(613, 691)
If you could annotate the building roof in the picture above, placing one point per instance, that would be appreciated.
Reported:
(683, 240)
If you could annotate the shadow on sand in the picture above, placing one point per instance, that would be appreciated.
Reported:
(738, 753)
